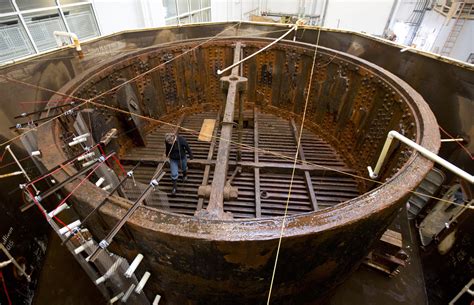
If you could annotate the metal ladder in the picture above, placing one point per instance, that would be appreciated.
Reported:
(456, 29)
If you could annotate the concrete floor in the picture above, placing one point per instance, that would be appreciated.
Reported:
(370, 287)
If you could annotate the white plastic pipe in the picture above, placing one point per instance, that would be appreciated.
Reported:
(423, 151)
(133, 266)
(128, 293)
(84, 246)
(219, 72)
(100, 181)
(77, 141)
(73, 36)
(88, 163)
(58, 210)
(21, 167)
(157, 299)
(453, 140)
(5, 263)
(116, 298)
(142, 282)
(11, 174)
(84, 135)
(70, 226)
(86, 156)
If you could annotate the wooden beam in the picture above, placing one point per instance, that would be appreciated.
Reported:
(307, 176)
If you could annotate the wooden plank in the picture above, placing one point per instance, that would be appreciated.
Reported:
(207, 129)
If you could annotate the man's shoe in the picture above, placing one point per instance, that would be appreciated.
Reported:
(185, 177)
(175, 188)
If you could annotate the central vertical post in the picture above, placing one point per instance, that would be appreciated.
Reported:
(234, 84)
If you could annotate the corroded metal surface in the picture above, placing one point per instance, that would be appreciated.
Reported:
(353, 105)
(329, 188)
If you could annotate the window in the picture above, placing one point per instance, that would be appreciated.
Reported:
(24, 5)
(40, 18)
(14, 42)
(42, 26)
(187, 11)
(81, 21)
(6, 7)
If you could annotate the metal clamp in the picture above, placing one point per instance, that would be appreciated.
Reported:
(103, 244)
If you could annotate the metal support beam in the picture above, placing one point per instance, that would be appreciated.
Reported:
(159, 174)
(234, 85)
(96, 209)
(256, 170)
(307, 176)
(207, 169)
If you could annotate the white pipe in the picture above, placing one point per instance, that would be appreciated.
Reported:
(423, 151)
(85, 135)
(35, 153)
(100, 181)
(116, 298)
(157, 299)
(21, 167)
(453, 140)
(88, 163)
(58, 210)
(75, 142)
(86, 156)
(109, 272)
(142, 282)
(464, 289)
(84, 246)
(128, 293)
(73, 36)
(219, 72)
(5, 263)
(70, 226)
(133, 266)
(11, 174)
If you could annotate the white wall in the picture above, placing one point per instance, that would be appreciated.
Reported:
(118, 15)
(368, 16)
(434, 31)
(225, 10)
(465, 43)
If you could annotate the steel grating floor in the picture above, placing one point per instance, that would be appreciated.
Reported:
(313, 188)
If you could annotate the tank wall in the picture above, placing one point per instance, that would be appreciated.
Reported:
(349, 104)
(437, 80)
(231, 273)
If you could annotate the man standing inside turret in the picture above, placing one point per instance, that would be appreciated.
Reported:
(177, 149)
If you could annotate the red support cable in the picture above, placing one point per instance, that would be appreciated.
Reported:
(5, 288)
(120, 165)
(61, 167)
(81, 182)
(43, 212)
